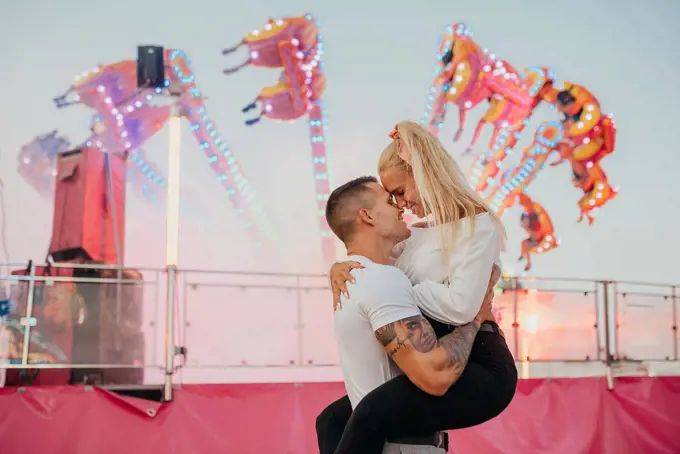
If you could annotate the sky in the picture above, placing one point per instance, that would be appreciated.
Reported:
(379, 59)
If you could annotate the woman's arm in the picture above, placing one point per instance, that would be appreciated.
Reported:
(338, 276)
(458, 302)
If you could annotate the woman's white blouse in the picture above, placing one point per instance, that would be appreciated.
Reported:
(451, 289)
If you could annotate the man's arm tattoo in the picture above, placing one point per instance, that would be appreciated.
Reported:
(418, 332)
(458, 345)
(386, 334)
(415, 329)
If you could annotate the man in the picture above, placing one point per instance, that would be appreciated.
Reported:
(383, 306)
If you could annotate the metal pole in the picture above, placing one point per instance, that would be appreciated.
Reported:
(617, 353)
(114, 217)
(598, 322)
(300, 326)
(607, 319)
(116, 243)
(609, 359)
(29, 314)
(515, 324)
(675, 321)
(172, 244)
(170, 334)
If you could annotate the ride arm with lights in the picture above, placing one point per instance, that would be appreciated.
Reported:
(295, 45)
(141, 121)
(500, 111)
(112, 106)
(437, 103)
(263, 51)
(455, 78)
(290, 98)
(118, 80)
(145, 176)
(221, 159)
(457, 301)
(464, 90)
(510, 120)
(501, 79)
(533, 159)
(124, 120)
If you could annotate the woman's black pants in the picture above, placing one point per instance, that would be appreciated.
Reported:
(398, 409)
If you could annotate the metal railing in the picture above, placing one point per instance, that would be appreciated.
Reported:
(178, 326)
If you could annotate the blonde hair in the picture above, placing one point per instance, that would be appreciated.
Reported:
(444, 191)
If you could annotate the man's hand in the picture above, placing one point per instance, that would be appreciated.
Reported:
(339, 275)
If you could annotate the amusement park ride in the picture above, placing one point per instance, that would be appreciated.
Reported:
(87, 182)
(295, 46)
(126, 117)
(92, 321)
(467, 75)
(64, 330)
(88, 186)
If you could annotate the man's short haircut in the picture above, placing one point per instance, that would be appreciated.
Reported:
(344, 203)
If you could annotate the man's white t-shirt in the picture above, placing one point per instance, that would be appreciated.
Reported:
(381, 295)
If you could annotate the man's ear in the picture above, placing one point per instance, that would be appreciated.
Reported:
(366, 217)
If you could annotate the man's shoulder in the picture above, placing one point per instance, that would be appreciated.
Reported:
(381, 294)
(377, 285)
(376, 277)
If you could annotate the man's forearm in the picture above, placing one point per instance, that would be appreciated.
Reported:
(449, 351)
(458, 346)
(432, 364)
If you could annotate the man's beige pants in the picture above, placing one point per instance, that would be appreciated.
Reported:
(394, 448)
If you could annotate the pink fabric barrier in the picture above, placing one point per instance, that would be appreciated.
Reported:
(557, 416)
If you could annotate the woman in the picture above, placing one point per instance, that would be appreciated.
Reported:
(448, 258)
